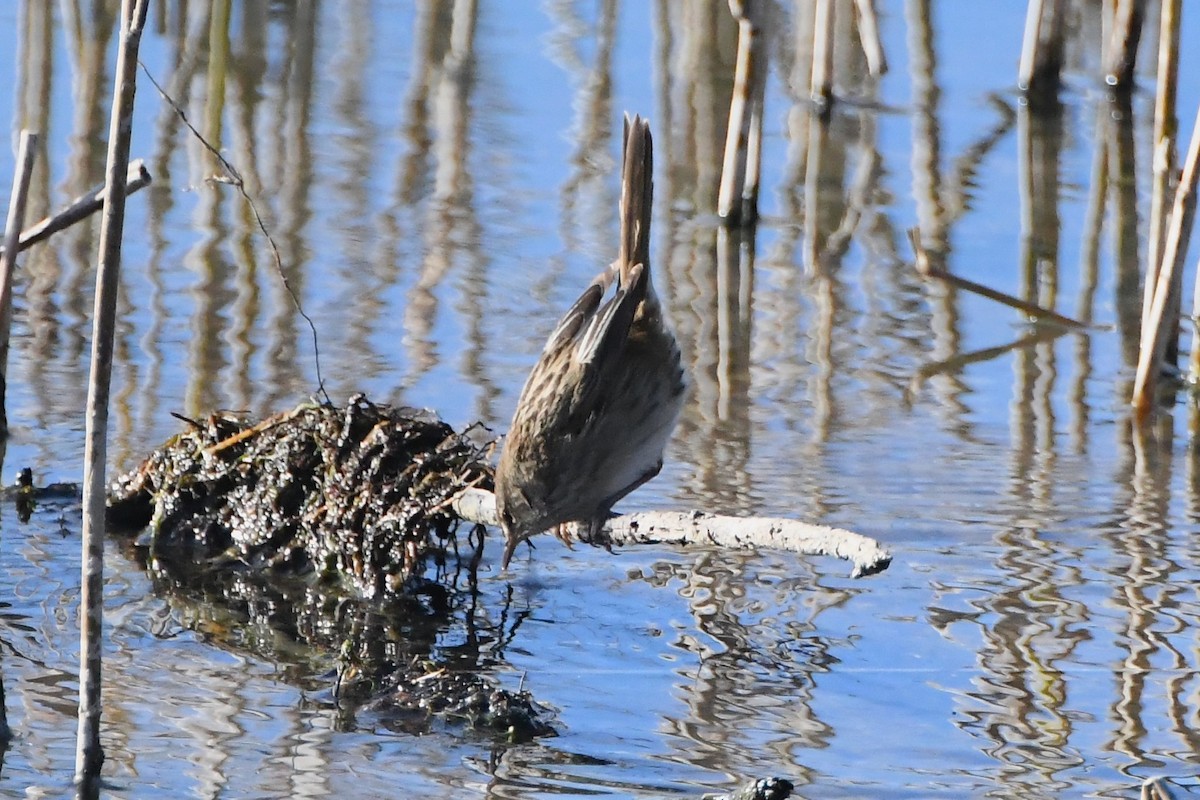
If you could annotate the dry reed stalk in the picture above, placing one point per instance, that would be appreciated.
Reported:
(804, 34)
(1042, 50)
(868, 35)
(926, 269)
(1165, 130)
(1154, 336)
(1030, 44)
(1120, 52)
(754, 134)
(821, 88)
(26, 153)
(89, 755)
(737, 169)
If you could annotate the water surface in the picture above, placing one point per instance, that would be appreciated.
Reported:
(441, 181)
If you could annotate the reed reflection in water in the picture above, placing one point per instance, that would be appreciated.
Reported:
(440, 180)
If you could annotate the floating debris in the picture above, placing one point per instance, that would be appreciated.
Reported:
(761, 789)
(358, 496)
(413, 701)
(305, 538)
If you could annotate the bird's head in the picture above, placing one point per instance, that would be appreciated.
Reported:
(518, 519)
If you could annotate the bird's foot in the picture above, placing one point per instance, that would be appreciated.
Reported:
(594, 534)
(562, 532)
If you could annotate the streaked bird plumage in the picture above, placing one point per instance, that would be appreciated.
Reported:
(601, 402)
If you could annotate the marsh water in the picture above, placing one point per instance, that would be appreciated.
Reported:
(441, 180)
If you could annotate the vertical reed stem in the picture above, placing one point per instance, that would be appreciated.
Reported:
(1165, 131)
(26, 152)
(758, 90)
(89, 755)
(1042, 51)
(868, 35)
(737, 200)
(733, 171)
(1161, 324)
(1120, 56)
(821, 89)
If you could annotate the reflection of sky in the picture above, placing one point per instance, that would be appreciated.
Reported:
(994, 503)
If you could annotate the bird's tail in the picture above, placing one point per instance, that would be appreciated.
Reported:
(637, 200)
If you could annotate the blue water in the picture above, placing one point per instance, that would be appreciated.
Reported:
(438, 196)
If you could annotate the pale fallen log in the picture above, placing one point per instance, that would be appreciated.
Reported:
(700, 528)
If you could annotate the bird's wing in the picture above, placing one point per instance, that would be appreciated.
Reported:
(603, 340)
(580, 314)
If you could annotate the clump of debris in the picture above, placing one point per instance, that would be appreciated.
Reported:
(358, 495)
(315, 528)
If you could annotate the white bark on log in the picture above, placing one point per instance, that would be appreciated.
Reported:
(701, 528)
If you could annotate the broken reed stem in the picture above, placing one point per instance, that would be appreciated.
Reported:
(821, 89)
(754, 133)
(89, 756)
(868, 36)
(1042, 51)
(1165, 131)
(1161, 323)
(26, 153)
(1120, 56)
(80, 209)
(926, 269)
(737, 199)
(753, 171)
(733, 170)
(1030, 44)
(1164, 157)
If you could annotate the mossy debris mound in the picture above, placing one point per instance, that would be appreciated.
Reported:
(357, 495)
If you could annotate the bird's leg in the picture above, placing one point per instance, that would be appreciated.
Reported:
(594, 531)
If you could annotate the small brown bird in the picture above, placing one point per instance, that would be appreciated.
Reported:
(603, 398)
